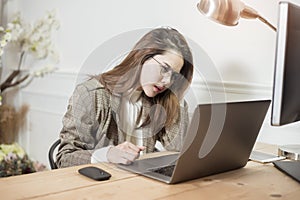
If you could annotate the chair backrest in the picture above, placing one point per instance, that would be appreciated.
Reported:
(51, 152)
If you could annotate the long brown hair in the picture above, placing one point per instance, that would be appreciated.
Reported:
(124, 78)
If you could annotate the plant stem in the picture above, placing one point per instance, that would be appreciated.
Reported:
(21, 60)
(9, 82)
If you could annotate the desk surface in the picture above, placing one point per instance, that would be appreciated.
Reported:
(254, 181)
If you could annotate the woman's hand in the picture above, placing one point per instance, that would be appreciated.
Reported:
(124, 153)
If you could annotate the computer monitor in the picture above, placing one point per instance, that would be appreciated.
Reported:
(286, 93)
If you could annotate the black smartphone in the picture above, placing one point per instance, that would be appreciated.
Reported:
(95, 173)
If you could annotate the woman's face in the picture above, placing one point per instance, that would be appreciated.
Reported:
(159, 71)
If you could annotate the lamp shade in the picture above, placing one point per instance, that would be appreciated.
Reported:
(228, 12)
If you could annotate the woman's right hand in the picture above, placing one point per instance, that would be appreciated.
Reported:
(124, 153)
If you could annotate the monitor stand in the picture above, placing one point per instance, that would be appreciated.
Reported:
(291, 151)
(292, 166)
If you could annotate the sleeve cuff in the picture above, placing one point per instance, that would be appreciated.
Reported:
(100, 155)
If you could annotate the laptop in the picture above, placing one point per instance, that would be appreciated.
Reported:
(220, 138)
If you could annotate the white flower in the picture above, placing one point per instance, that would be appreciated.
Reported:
(3, 43)
(5, 39)
(7, 36)
(35, 39)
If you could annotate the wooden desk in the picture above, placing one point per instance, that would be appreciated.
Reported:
(254, 181)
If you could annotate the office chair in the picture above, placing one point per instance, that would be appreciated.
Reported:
(51, 152)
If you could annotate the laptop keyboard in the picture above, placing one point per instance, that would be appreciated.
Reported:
(166, 171)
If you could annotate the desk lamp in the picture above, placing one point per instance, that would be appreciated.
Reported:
(228, 12)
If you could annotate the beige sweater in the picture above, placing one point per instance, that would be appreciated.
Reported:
(90, 123)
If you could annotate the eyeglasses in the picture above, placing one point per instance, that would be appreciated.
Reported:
(167, 71)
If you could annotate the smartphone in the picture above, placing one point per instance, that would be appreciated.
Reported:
(94, 173)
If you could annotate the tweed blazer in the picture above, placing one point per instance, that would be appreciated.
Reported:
(91, 122)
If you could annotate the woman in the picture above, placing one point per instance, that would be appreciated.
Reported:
(137, 106)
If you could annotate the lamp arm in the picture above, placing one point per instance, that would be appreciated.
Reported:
(266, 22)
(250, 13)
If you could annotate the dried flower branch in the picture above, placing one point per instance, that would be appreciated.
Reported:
(11, 121)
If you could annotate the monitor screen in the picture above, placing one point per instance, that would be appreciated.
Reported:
(286, 88)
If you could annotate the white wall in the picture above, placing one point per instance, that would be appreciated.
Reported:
(242, 55)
